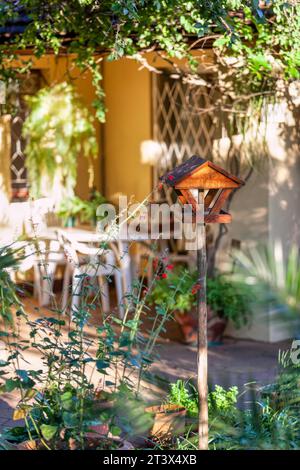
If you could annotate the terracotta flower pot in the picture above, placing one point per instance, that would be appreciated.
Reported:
(188, 326)
(98, 430)
(216, 326)
(187, 321)
(168, 420)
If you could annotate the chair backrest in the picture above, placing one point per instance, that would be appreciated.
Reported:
(39, 211)
(29, 254)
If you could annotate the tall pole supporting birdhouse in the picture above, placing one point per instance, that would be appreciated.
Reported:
(213, 186)
(202, 384)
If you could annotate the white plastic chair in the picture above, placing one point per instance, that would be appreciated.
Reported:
(46, 261)
(46, 252)
(100, 265)
(121, 250)
(27, 262)
(43, 258)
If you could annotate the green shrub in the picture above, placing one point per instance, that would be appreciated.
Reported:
(228, 299)
(174, 290)
(220, 401)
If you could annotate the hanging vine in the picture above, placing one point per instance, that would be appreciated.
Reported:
(256, 43)
(59, 128)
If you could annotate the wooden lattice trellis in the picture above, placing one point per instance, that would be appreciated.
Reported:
(183, 120)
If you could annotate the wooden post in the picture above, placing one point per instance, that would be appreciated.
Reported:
(202, 329)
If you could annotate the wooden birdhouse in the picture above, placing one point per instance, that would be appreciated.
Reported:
(198, 174)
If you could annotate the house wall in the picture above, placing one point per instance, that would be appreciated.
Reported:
(284, 196)
(128, 123)
(267, 210)
(250, 219)
(128, 100)
(5, 186)
(284, 183)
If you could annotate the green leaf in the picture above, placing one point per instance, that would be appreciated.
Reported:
(10, 385)
(70, 419)
(66, 400)
(115, 430)
(260, 60)
(101, 364)
(48, 431)
(222, 41)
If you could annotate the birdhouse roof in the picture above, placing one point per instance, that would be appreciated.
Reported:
(197, 172)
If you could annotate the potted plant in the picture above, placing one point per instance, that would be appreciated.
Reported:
(69, 210)
(74, 208)
(89, 210)
(221, 402)
(227, 300)
(175, 290)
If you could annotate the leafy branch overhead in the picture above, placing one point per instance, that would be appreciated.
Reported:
(256, 41)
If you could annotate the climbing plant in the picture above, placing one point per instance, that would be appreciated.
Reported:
(255, 42)
(60, 128)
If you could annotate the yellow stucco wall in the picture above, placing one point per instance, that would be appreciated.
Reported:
(128, 123)
(5, 151)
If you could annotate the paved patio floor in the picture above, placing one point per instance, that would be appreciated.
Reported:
(235, 362)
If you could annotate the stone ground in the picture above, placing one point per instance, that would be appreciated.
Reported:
(235, 362)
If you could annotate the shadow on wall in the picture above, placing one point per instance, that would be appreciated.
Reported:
(285, 180)
(249, 211)
(267, 208)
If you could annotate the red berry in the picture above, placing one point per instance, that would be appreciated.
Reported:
(169, 267)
